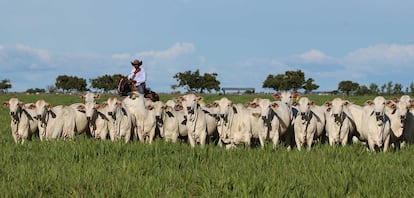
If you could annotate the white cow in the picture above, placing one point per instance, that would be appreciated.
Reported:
(281, 118)
(90, 102)
(409, 125)
(22, 123)
(306, 123)
(97, 117)
(397, 111)
(81, 121)
(376, 124)
(147, 134)
(174, 122)
(259, 122)
(41, 108)
(234, 126)
(339, 122)
(135, 103)
(55, 122)
(196, 120)
(121, 121)
(210, 110)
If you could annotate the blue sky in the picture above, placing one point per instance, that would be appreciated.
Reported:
(366, 41)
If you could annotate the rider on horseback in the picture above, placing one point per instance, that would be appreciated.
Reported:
(138, 76)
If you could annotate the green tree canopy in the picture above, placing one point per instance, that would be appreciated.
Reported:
(290, 80)
(310, 85)
(194, 82)
(5, 85)
(105, 82)
(70, 83)
(347, 86)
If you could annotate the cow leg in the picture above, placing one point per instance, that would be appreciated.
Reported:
(191, 139)
(386, 143)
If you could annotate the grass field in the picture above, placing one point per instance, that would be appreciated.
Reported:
(85, 167)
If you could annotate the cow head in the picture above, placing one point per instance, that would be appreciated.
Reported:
(15, 108)
(113, 107)
(90, 97)
(304, 108)
(335, 108)
(378, 108)
(286, 97)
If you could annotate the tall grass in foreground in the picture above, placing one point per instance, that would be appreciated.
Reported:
(86, 167)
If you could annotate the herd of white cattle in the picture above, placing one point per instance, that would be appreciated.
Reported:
(379, 123)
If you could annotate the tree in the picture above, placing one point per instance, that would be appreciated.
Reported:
(194, 82)
(389, 88)
(209, 82)
(383, 88)
(373, 88)
(51, 88)
(362, 90)
(68, 83)
(35, 90)
(106, 82)
(5, 85)
(412, 87)
(277, 82)
(290, 80)
(347, 86)
(295, 79)
(397, 90)
(310, 86)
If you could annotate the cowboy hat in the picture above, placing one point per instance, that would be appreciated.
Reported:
(136, 62)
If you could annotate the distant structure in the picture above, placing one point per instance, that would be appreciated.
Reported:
(238, 90)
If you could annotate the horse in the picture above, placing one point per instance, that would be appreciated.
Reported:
(126, 86)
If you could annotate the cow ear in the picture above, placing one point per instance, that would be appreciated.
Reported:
(97, 96)
(149, 107)
(277, 96)
(295, 103)
(274, 105)
(200, 99)
(32, 106)
(82, 97)
(328, 104)
(178, 107)
(6, 104)
(328, 109)
(49, 107)
(346, 103)
(369, 103)
(396, 100)
(311, 103)
(81, 107)
(296, 96)
(411, 107)
(389, 103)
(120, 104)
(21, 105)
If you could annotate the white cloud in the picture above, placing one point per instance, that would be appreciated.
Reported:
(176, 50)
(41, 54)
(313, 56)
(124, 56)
(382, 54)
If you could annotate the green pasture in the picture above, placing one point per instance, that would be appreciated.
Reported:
(85, 167)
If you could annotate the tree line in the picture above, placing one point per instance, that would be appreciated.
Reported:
(196, 82)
